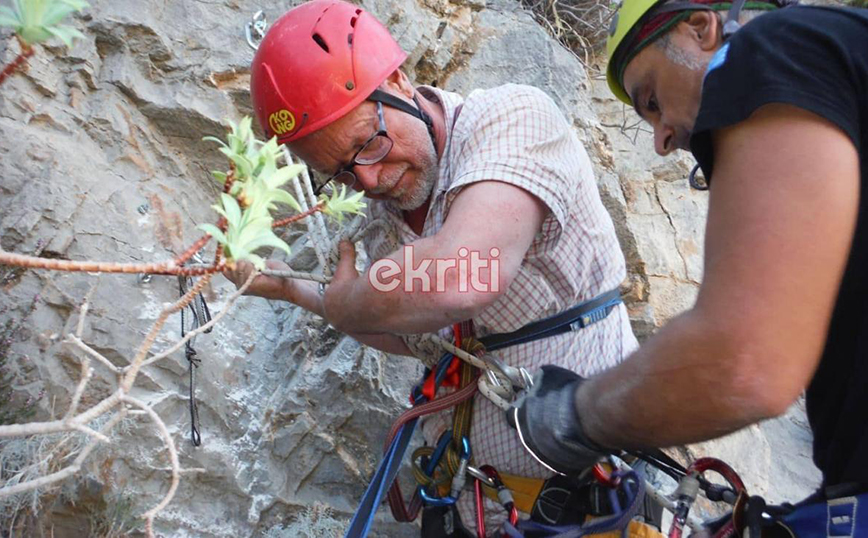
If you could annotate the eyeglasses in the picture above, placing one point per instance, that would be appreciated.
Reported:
(372, 151)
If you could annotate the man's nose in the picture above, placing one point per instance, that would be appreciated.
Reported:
(367, 176)
(664, 139)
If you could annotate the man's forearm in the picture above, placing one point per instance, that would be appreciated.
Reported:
(307, 296)
(415, 296)
(683, 386)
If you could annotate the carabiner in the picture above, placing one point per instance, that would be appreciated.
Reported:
(481, 476)
(606, 478)
(460, 477)
(254, 30)
(518, 377)
(458, 480)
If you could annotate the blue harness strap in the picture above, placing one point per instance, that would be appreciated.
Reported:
(386, 472)
(837, 518)
(574, 319)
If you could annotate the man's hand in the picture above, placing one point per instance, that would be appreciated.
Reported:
(345, 277)
(548, 425)
(268, 287)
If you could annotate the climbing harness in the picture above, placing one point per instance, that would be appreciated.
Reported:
(200, 316)
(501, 380)
(630, 484)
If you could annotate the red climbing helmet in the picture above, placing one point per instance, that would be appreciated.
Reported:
(316, 63)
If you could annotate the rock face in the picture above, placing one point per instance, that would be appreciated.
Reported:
(101, 158)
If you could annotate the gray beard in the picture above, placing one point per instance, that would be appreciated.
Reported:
(421, 191)
(681, 57)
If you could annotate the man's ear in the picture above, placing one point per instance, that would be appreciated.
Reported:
(399, 83)
(705, 29)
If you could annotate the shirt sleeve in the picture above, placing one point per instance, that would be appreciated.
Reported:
(800, 56)
(517, 135)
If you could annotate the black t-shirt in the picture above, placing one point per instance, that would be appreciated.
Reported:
(815, 58)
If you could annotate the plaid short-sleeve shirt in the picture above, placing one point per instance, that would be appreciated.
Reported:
(516, 134)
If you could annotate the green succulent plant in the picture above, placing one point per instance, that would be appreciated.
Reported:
(339, 204)
(256, 192)
(36, 21)
(247, 231)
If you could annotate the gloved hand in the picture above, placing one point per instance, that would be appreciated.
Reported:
(546, 420)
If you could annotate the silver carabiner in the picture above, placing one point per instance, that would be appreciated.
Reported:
(518, 377)
(482, 477)
(254, 30)
(498, 384)
(526, 378)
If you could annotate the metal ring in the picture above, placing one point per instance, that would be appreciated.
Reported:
(497, 385)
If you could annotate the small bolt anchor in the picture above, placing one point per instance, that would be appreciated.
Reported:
(255, 29)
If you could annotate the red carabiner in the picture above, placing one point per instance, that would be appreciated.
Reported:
(604, 477)
(480, 509)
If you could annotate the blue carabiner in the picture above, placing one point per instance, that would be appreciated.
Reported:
(457, 481)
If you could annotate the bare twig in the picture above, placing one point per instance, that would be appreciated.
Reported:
(298, 216)
(192, 334)
(132, 370)
(76, 341)
(297, 274)
(173, 460)
(67, 471)
(159, 268)
(18, 62)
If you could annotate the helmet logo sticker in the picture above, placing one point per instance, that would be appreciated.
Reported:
(281, 122)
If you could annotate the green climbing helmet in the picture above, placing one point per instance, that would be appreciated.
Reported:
(627, 36)
(628, 14)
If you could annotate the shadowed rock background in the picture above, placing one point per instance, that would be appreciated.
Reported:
(101, 158)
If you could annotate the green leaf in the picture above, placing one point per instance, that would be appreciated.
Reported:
(65, 34)
(214, 232)
(268, 240)
(9, 17)
(38, 19)
(219, 176)
(282, 175)
(55, 13)
(283, 197)
(257, 261)
(253, 229)
(34, 34)
(243, 167)
(340, 204)
(214, 139)
(233, 211)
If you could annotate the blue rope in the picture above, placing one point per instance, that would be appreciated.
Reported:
(391, 462)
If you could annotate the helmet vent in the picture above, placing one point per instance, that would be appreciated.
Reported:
(353, 22)
(321, 42)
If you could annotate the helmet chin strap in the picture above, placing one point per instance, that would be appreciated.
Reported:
(396, 102)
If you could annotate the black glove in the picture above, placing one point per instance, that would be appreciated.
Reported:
(546, 420)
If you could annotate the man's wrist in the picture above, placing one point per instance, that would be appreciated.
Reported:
(586, 416)
(583, 408)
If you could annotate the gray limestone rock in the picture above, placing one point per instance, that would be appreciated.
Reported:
(101, 157)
